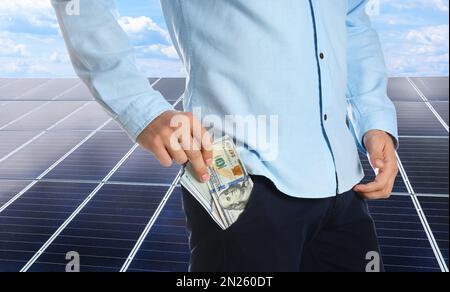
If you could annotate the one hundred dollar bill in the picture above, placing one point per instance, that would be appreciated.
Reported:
(226, 195)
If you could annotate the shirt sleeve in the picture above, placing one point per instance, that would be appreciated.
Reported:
(104, 59)
(369, 106)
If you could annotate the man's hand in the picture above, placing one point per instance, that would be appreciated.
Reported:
(383, 159)
(177, 136)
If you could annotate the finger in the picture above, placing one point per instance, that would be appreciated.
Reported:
(202, 136)
(176, 151)
(377, 160)
(192, 149)
(174, 148)
(207, 148)
(159, 150)
(378, 184)
(376, 195)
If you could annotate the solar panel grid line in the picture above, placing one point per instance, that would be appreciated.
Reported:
(180, 99)
(26, 92)
(9, 83)
(77, 211)
(86, 181)
(32, 89)
(24, 115)
(150, 224)
(423, 219)
(43, 132)
(424, 195)
(67, 90)
(18, 195)
(421, 137)
(429, 105)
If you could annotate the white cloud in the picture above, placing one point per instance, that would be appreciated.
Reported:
(140, 26)
(441, 5)
(8, 47)
(436, 36)
(167, 51)
(37, 13)
(421, 51)
(152, 39)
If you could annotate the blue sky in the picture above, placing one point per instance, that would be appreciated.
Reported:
(414, 35)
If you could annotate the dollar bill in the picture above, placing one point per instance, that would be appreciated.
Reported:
(226, 195)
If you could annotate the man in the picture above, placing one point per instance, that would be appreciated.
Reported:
(315, 64)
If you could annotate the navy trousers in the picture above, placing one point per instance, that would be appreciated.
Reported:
(278, 233)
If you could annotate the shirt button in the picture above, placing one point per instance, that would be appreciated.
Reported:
(322, 56)
(325, 117)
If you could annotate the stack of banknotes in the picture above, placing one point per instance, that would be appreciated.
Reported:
(226, 195)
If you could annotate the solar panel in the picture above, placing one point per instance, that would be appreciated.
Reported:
(166, 247)
(434, 88)
(6, 81)
(142, 167)
(80, 92)
(13, 140)
(44, 117)
(404, 244)
(94, 159)
(8, 188)
(106, 229)
(32, 219)
(14, 90)
(56, 152)
(416, 119)
(400, 89)
(35, 158)
(50, 90)
(436, 210)
(171, 88)
(442, 108)
(12, 110)
(88, 118)
(426, 163)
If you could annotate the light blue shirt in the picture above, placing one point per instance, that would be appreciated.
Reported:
(316, 64)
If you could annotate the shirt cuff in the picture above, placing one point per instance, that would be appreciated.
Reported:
(381, 121)
(139, 114)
